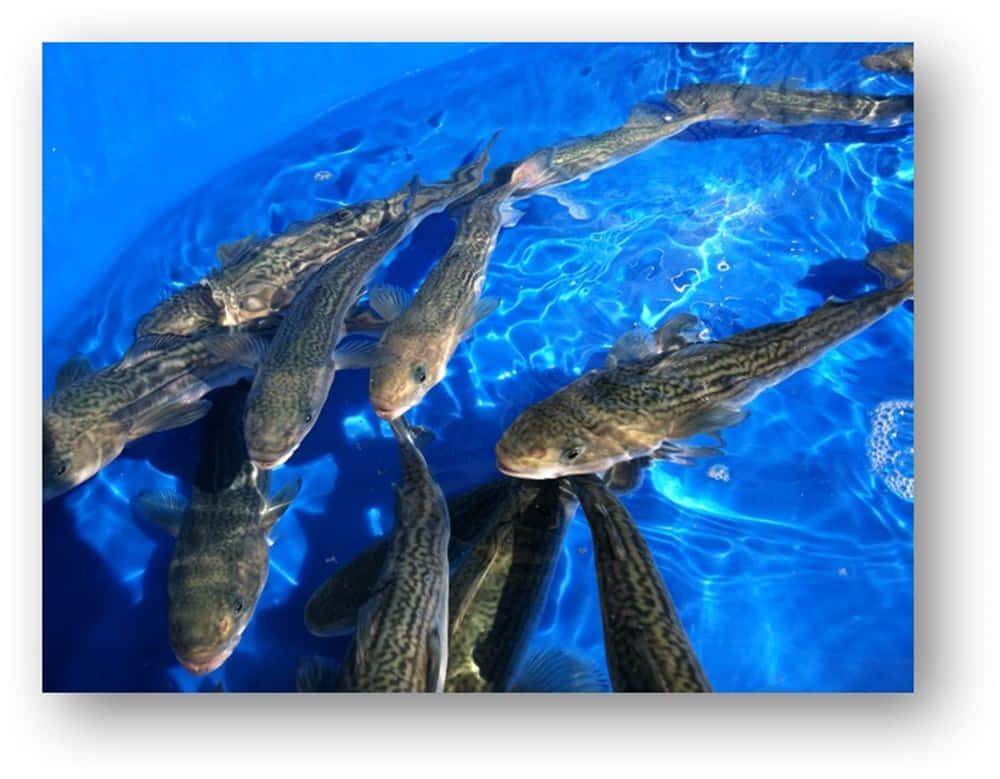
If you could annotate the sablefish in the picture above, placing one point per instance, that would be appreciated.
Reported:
(219, 564)
(332, 609)
(498, 590)
(786, 106)
(401, 640)
(645, 645)
(636, 409)
(898, 59)
(257, 278)
(423, 332)
(157, 385)
(294, 374)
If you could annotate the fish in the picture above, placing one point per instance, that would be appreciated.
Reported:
(643, 408)
(401, 640)
(333, 607)
(898, 60)
(497, 592)
(294, 373)
(781, 105)
(219, 564)
(424, 330)
(579, 158)
(645, 645)
(257, 278)
(158, 385)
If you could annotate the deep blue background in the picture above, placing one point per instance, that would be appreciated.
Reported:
(789, 557)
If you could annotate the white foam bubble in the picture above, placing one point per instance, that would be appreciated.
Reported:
(890, 446)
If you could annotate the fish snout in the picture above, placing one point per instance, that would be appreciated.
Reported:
(204, 663)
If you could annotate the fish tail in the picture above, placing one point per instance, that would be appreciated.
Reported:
(891, 109)
(895, 265)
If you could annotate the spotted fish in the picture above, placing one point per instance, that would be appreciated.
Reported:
(401, 640)
(645, 644)
(641, 408)
(157, 385)
(219, 564)
(898, 59)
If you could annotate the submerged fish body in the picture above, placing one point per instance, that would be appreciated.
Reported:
(898, 59)
(401, 640)
(646, 647)
(752, 103)
(219, 564)
(157, 385)
(499, 588)
(421, 337)
(613, 415)
(295, 373)
(258, 278)
(579, 158)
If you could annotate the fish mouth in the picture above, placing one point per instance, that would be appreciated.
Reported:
(269, 460)
(388, 413)
(203, 663)
(512, 470)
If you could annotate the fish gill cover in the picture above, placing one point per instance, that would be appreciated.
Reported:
(789, 557)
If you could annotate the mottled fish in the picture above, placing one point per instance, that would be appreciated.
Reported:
(220, 561)
(295, 372)
(639, 408)
(785, 106)
(645, 645)
(401, 640)
(898, 60)
(498, 590)
(157, 385)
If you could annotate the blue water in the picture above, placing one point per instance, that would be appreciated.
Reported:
(790, 557)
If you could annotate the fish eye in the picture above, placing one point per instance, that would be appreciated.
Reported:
(308, 417)
(63, 467)
(570, 453)
(238, 605)
(419, 374)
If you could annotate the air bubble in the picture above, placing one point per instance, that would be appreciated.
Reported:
(322, 175)
(890, 446)
(719, 473)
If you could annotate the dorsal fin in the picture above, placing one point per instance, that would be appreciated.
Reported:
(230, 253)
(75, 368)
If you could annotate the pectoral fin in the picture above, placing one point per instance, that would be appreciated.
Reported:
(388, 301)
(316, 674)
(358, 353)
(168, 417)
(675, 333)
(626, 476)
(238, 348)
(162, 507)
(555, 670)
(279, 502)
(148, 344)
(332, 610)
(75, 368)
(483, 308)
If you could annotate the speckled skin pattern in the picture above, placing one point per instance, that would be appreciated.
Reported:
(86, 424)
(607, 416)
(897, 60)
(401, 641)
(498, 590)
(293, 381)
(645, 644)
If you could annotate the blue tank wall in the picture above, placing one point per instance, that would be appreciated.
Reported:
(128, 129)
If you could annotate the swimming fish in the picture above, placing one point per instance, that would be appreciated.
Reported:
(219, 564)
(294, 374)
(259, 277)
(157, 385)
(498, 590)
(423, 332)
(897, 60)
(645, 645)
(612, 415)
(579, 158)
(785, 106)
(401, 640)
(332, 609)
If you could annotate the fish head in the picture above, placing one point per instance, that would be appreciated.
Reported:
(410, 368)
(70, 456)
(281, 412)
(188, 311)
(205, 623)
(555, 438)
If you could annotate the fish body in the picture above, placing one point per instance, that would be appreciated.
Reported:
(752, 103)
(499, 588)
(401, 641)
(258, 278)
(294, 375)
(157, 385)
(612, 415)
(898, 60)
(645, 645)
(579, 158)
(219, 564)
(421, 338)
